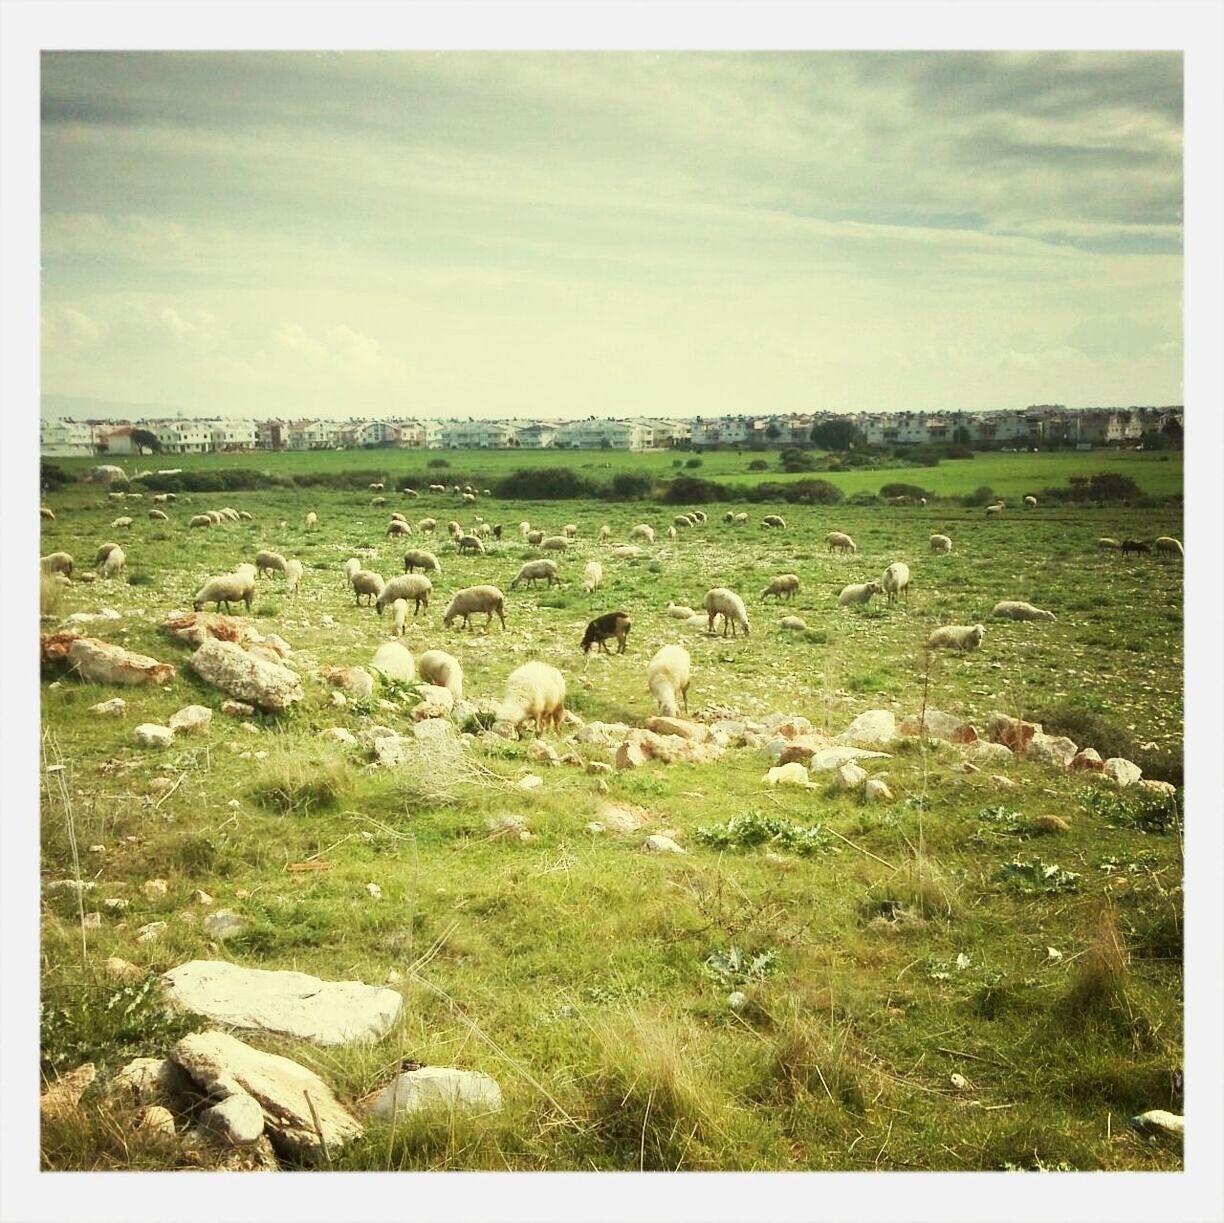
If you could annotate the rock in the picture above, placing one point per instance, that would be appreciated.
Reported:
(659, 844)
(437, 1087)
(678, 726)
(987, 753)
(223, 924)
(239, 1119)
(279, 644)
(529, 782)
(601, 786)
(285, 1091)
(288, 1003)
(877, 791)
(876, 726)
(154, 888)
(792, 774)
(195, 628)
(1088, 760)
(70, 885)
(264, 684)
(967, 767)
(393, 977)
(99, 662)
(622, 817)
(371, 734)
(797, 623)
(1049, 824)
(426, 710)
(507, 825)
(150, 1080)
(640, 746)
(201, 897)
(572, 758)
(595, 767)
(442, 698)
(122, 970)
(939, 725)
(849, 776)
(543, 753)
(191, 720)
(356, 682)
(631, 755)
(795, 751)
(1158, 787)
(1011, 732)
(337, 700)
(1005, 782)
(115, 904)
(1159, 1121)
(92, 921)
(434, 730)
(151, 932)
(113, 708)
(374, 890)
(390, 751)
(394, 661)
(63, 1096)
(237, 709)
(1122, 772)
(594, 826)
(601, 734)
(834, 757)
(788, 725)
(149, 734)
(337, 734)
(156, 1121)
(1057, 751)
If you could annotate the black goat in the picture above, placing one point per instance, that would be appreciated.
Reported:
(612, 624)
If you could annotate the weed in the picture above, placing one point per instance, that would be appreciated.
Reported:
(1133, 807)
(141, 579)
(1036, 878)
(753, 829)
(50, 595)
(1101, 971)
(732, 969)
(299, 783)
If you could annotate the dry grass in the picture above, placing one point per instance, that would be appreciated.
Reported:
(1101, 972)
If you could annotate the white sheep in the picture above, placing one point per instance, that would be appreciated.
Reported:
(726, 603)
(242, 514)
(377, 488)
(59, 562)
(592, 577)
(443, 669)
(469, 498)
(44, 512)
(993, 511)
(122, 522)
(249, 570)
(1169, 545)
(378, 501)
(642, 532)
(784, 584)
(1010, 609)
(668, 676)
(605, 533)
(399, 614)
(797, 623)
(397, 526)
(312, 520)
(414, 586)
(534, 692)
(426, 525)
(678, 612)
(267, 562)
(570, 530)
(454, 529)
(1030, 503)
(158, 516)
(956, 637)
(626, 552)
(470, 543)
(700, 515)
(859, 594)
(896, 580)
(535, 571)
(671, 532)
(418, 558)
(437, 488)
(554, 543)
(114, 564)
(227, 589)
(534, 538)
(839, 541)
(214, 516)
(472, 599)
(774, 520)
(103, 552)
(368, 585)
(941, 543)
(683, 520)
(293, 574)
(742, 517)
(1108, 543)
(729, 516)
(200, 520)
(351, 568)
(524, 529)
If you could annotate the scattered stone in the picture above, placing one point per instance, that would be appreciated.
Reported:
(239, 1119)
(876, 726)
(229, 667)
(830, 758)
(201, 897)
(1122, 772)
(434, 1087)
(443, 698)
(788, 725)
(622, 817)
(658, 843)
(338, 700)
(149, 734)
(850, 776)
(156, 1121)
(959, 1082)
(967, 767)
(1011, 732)
(223, 924)
(99, 662)
(69, 885)
(434, 730)
(113, 708)
(795, 751)
(355, 682)
(1057, 751)
(601, 734)
(1088, 760)
(876, 791)
(594, 826)
(1049, 824)
(154, 888)
(530, 781)
(792, 774)
(63, 1096)
(251, 728)
(122, 970)
(393, 977)
(394, 661)
(678, 726)
(337, 734)
(939, 725)
(288, 1003)
(737, 999)
(507, 825)
(630, 755)
(640, 746)
(92, 921)
(601, 786)
(191, 720)
(987, 753)
(151, 932)
(374, 890)
(1005, 782)
(150, 1080)
(391, 750)
(1158, 787)
(543, 753)
(115, 904)
(237, 709)
(595, 767)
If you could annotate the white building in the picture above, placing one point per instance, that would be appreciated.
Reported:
(234, 435)
(477, 435)
(62, 439)
(182, 436)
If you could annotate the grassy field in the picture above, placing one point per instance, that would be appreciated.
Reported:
(591, 979)
(1009, 475)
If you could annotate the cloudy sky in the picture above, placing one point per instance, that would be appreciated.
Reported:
(565, 234)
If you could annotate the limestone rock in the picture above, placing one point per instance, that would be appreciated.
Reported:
(1122, 772)
(1050, 823)
(229, 667)
(150, 1080)
(223, 924)
(641, 746)
(659, 844)
(239, 1119)
(394, 661)
(337, 734)
(678, 726)
(1158, 787)
(289, 1003)
(939, 725)
(1088, 760)
(622, 817)
(62, 1097)
(433, 730)
(237, 709)
(119, 969)
(508, 825)
(195, 628)
(1057, 751)
(792, 774)
(850, 776)
(1005, 783)
(154, 889)
(149, 734)
(788, 725)
(1011, 732)
(796, 751)
(443, 698)
(150, 932)
(390, 751)
(543, 753)
(99, 662)
(595, 767)
(529, 782)
(191, 720)
(201, 897)
(113, 708)
(877, 791)
(434, 1087)
(602, 734)
(987, 753)
(830, 758)
(156, 1121)
(356, 682)
(875, 726)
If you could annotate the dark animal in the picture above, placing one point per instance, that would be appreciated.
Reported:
(1135, 545)
(497, 531)
(612, 624)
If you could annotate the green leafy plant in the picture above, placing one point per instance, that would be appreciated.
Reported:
(1141, 810)
(1035, 877)
(753, 829)
(733, 968)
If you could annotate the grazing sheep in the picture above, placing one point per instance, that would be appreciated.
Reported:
(570, 530)
(377, 501)
(554, 543)
(266, 562)
(443, 669)
(367, 584)
(668, 675)
(784, 584)
(535, 691)
(605, 533)
(418, 558)
(227, 589)
(44, 512)
(472, 599)
(793, 622)
(726, 603)
(1010, 609)
(426, 525)
(626, 552)
(248, 570)
(437, 488)
(229, 514)
(941, 543)
(453, 529)
(742, 517)
(158, 516)
(398, 527)
(896, 581)
(399, 612)
(534, 538)
(642, 532)
(956, 637)
(729, 516)
(611, 624)
(1170, 546)
(377, 488)
(682, 520)
(774, 520)
(993, 510)
(671, 532)
(312, 520)
(592, 577)
(678, 612)
(922, 501)
(469, 543)
(103, 552)
(242, 514)
(859, 594)
(1134, 545)
(200, 520)
(534, 571)
(398, 515)
(351, 568)
(524, 529)
(700, 515)
(215, 518)
(293, 574)
(1030, 503)
(413, 586)
(484, 530)
(61, 562)
(497, 530)
(1108, 543)
(160, 498)
(839, 541)
(122, 522)
(410, 492)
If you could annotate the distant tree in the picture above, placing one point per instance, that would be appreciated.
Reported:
(960, 435)
(1173, 431)
(146, 440)
(1113, 486)
(758, 465)
(693, 463)
(793, 459)
(773, 432)
(836, 435)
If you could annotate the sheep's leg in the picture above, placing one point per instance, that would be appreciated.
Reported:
(684, 696)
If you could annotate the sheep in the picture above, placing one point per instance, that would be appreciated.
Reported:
(230, 588)
(312, 520)
(524, 529)
(774, 520)
(293, 574)
(956, 637)
(248, 569)
(398, 527)
(442, 669)
(859, 594)
(426, 525)
(533, 571)
(44, 512)
(605, 533)
(58, 562)
(1167, 544)
(535, 691)
(626, 552)
(368, 584)
(200, 520)
(378, 501)
(122, 522)
(469, 543)
(1010, 609)
(993, 511)
(484, 531)
(486, 492)
(437, 488)
(418, 558)
(726, 603)
(678, 612)
(1108, 543)
(497, 530)
(1030, 503)
(215, 518)
(410, 492)
(896, 581)
(351, 567)
(414, 586)
(453, 529)
(377, 488)
(399, 615)
(941, 543)
(742, 517)
(592, 577)
(242, 514)
(229, 514)
(554, 543)
(729, 516)
(266, 562)
(793, 622)
(700, 515)
(570, 530)
(611, 624)
(103, 552)
(922, 501)
(158, 516)
(534, 538)
(671, 532)
(398, 516)
(667, 677)
(839, 541)
(784, 584)
(472, 599)
(682, 520)
(1134, 545)
(469, 498)
(642, 532)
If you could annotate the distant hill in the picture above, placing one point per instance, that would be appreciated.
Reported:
(85, 407)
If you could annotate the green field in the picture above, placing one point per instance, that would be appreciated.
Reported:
(584, 974)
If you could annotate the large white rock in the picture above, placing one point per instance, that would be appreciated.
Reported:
(657, 843)
(987, 753)
(224, 1066)
(150, 1080)
(149, 734)
(239, 1119)
(1056, 751)
(443, 698)
(232, 669)
(1121, 771)
(191, 720)
(100, 662)
(850, 776)
(834, 757)
(433, 1087)
(792, 774)
(394, 661)
(113, 708)
(289, 1003)
(876, 726)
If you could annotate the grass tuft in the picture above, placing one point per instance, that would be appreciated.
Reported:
(298, 784)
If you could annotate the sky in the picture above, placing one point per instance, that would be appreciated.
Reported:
(572, 234)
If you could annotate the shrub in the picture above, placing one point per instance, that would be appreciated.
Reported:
(903, 490)
(813, 492)
(547, 484)
(693, 463)
(629, 486)
(51, 477)
(437, 463)
(753, 829)
(982, 495)
(50, 595)
(690, 490)
(1100, 974)
(293, 782)
(758, 465)
(1113, 486)
(793, 460)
